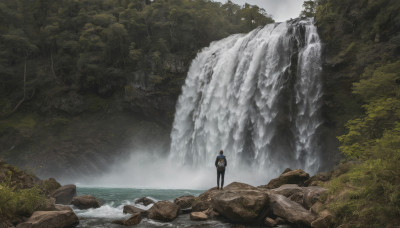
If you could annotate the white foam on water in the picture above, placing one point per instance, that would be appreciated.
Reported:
(105, 211)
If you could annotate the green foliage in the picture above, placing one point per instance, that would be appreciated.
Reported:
(19, 202)
(21, 123)
(97, 45)
(309, 8)
(380, 88)
(368, 195)
(15, 201)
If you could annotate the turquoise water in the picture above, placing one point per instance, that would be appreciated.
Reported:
(114, 199)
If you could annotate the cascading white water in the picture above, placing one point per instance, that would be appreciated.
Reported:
(256, 96)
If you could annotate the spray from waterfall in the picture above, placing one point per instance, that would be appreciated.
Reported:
(257, 96)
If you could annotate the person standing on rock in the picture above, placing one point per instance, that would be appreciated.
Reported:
(220, 163)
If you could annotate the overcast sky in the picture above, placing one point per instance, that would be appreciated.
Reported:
(281, 10)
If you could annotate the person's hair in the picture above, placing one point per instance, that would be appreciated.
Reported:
(221, 152)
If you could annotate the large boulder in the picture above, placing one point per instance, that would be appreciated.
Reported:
(184, 201)
(203, 201)
(129, 209)
(145, 201)
(53, 219)
(242, 203)
(198, 216)
(85, 202)
(49, 205)
(290, 210)
(135, 219)
(60, 207)
(305, 196)
(64, 194)
(164, 211)
(296, 176)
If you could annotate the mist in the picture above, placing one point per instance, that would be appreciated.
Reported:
(147, 169)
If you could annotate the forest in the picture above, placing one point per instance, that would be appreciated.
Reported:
(52, 47)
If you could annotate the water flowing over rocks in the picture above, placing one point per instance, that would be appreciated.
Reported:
(145, 201)
(53, 219)
(85, 202)
(256, 96)
(129, 209)
(164, 211)
(64, 194)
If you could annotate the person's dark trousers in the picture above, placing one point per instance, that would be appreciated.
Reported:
(222, 175)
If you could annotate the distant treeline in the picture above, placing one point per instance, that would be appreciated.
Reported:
(94, 45)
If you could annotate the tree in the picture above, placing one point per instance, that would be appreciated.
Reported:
(309, 9)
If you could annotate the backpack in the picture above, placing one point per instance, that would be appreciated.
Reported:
(221, 164)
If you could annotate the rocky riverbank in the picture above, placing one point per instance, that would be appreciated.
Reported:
(293, 198)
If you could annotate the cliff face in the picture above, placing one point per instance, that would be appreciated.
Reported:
(356, 35)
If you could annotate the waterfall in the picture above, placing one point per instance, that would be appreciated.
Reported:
(257, 96)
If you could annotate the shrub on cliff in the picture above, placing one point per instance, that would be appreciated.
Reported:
(19, 202)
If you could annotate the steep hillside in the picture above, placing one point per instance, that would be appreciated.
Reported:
(362, 80)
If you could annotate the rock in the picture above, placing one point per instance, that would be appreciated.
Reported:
(211, 213)
(49, 205)
(305, 196)
(184, 201)
(317, 208)
(203, 201)
(198, 216)
(186, 210)
(49, 185)
(135, 219)
(324, 220)
(163, 211)
(85, 202)
(53, 219)
(239, 186)
(287, 170)
(129, 209)
(279, 220)
(60, 207)
(312, 195)
(269, 222)
(290, 210)
(64, 194)
(296, 176)
(287, 190)
(145, 201)
(241, 203)
(319, 177)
